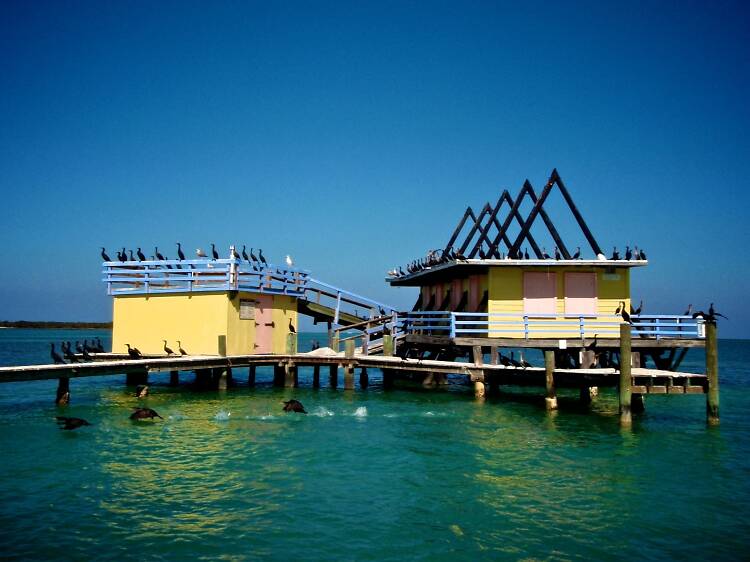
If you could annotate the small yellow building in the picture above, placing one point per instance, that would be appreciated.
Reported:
(204, 307)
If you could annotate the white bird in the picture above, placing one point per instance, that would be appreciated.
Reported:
(289, 261)
(200, 253)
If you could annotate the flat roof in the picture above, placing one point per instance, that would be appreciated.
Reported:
(455, 269)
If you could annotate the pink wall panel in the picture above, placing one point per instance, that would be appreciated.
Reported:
(539, 292)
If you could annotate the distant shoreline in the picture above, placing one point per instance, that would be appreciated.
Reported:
(55, 325)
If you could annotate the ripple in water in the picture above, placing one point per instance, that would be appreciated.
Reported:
(360, 412)
(222, 415)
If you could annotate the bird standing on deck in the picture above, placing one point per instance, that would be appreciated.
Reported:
(524, 363)
(179, 348)
(214, 253)
(133, 352)
(105, 257)
(167, 350)
(56, 358)
(180, 254)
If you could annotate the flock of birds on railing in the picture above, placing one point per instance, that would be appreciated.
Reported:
(438, 257)
(259, 261)
(84, 351)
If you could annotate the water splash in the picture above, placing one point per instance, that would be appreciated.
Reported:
(322, 412)
(360, 412)
(222, 415)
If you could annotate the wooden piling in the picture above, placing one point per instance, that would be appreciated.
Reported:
(62, 398)
(278, 375)
(291, 344)
(316, 376)
(388, 378)
(550, 400)
(712, 372)
(349, 348)
(364, 380)
(223, 377)
(134, 379)
(626, 379)
(335, 342)
(174, 378)
(333, 376)
(251, 375)
(388, 345)
(290, 375)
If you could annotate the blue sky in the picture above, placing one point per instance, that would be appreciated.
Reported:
(353, 136)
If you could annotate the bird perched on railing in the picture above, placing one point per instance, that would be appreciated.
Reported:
(180, 254)
(615, 254)
(577, 255)
(628, 253)
(214, 253)
(622, 312)
(133, 352)
(235, 255)
(291, 327)
(179, 348)
(167, 350)
(710, 316)
(688, 311)
(105, 257)
(244, 254)
(261, 258)
(288, 260)
(158, 255)
(141, 256)
(558, 256)
(200, 253)
(56, 358)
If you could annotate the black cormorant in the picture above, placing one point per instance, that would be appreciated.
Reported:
(167, 350)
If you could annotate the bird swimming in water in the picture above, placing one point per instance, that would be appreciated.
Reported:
(180, 253)
(144, 413)
(179, 348)
(577, 255)
(214, 253)
(294, 406)
(167, 350)
(133, 352)
(141, 391)
(200, 253)
(158, 255)
(141, 257)
(56, 358)
(615, 254)
(289, 261)
(291, 327)
(261, 258)
(70, 423)
(105, 257)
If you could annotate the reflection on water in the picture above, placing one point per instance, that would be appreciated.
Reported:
(414, 474)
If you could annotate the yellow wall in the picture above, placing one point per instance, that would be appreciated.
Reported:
(506, 295)
(197, 320)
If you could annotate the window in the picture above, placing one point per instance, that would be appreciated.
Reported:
(247, 310)
(580, 294)
(539, 293)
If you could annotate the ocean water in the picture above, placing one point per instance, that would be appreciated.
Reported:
(405, 474)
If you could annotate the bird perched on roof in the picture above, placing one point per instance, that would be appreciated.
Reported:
(294, 406)
(628, 253)
(577, 255)
(133, 352)
(558, 256)
(105, 257)
(545, 255)
(615, 254)
(526, 254)
(144, 413)
(70, 424)
(167, 350)
(289, 261)
(214, 253)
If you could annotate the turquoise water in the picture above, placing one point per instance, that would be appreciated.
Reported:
(369, 475)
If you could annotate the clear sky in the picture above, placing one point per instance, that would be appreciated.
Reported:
(353, 135)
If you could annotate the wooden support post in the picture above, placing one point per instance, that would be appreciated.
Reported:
(134, 379)
(429, 381)
(349, 375)
(251, 375)
(388, 378)
(494, 356)
(637, 403)
(626, 379)
(712, 373)
(62, 397)
(291, 344)
(333, 376)
(174, 378)
(550, 401)
(588, 393)
(588, 359)
(316, 376)
(278, 375)
(364, 380)
(223, 377)
(335, 342)
(477, 352)
(290, 375)
(387, 346)
(349, 348)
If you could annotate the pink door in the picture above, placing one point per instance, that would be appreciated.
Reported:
(580, 294)
(539, 292)
(264, 324)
